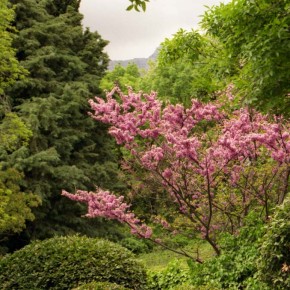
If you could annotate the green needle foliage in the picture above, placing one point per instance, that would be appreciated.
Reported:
(10, 70)
(15, 204)
(68, 149)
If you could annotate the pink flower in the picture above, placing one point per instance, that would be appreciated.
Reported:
(104, 204)
(202, 165)
(167, 173)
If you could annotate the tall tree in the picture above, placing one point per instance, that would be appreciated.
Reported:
(10, 70)
(15, 203)
(67, 149)
(189, 65)
(257, 35)
(122, 76)
(245, 43)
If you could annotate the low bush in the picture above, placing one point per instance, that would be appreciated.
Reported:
(173, 276)
(236, 267)
(68, 262)
(187, 286)
(101, 286)
(274, 262)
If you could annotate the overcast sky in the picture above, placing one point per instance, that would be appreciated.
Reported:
(137, 34)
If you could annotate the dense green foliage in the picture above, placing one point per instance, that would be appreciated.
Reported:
(65, 263)
(171, 277)
(255, 34)
(236, 268)
(10, 70)
(123, 77)
(135, 245)
(255, 258)
(14, 133)
(188, 68)
(101, 286)
(15, 205)
(255, 57)
(274, 261)
(67, 149)
(169, 81)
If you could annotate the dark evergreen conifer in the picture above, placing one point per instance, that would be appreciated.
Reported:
(68, 149)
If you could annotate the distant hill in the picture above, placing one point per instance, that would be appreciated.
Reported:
(140, 62)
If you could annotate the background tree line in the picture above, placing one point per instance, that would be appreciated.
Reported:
(50, 67)
(245, 43)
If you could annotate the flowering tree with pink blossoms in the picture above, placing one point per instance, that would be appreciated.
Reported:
(215, 166)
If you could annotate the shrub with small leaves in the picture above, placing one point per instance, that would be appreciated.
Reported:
(69, 262)
(101, 286)
(173, 276)
(236, 267)
(274, 263)
(187, 286)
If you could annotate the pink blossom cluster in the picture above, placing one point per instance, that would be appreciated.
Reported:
(190, 151)
(175, 149)
(131, 117)
(162, 222)
(104, 204)
(244, 136)
(142, 116)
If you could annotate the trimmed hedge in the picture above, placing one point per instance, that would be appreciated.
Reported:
(68, 262)
(101, 286)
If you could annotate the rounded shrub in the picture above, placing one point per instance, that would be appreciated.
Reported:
(68, 262)
(101, 286)
(274, 263)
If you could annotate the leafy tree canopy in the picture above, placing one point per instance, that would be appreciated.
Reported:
(10, 70)
(274, 262)
(122, 76)
(245, 43)
(189, 66)
(256, 34)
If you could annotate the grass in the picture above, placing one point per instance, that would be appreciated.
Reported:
(158, 259)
